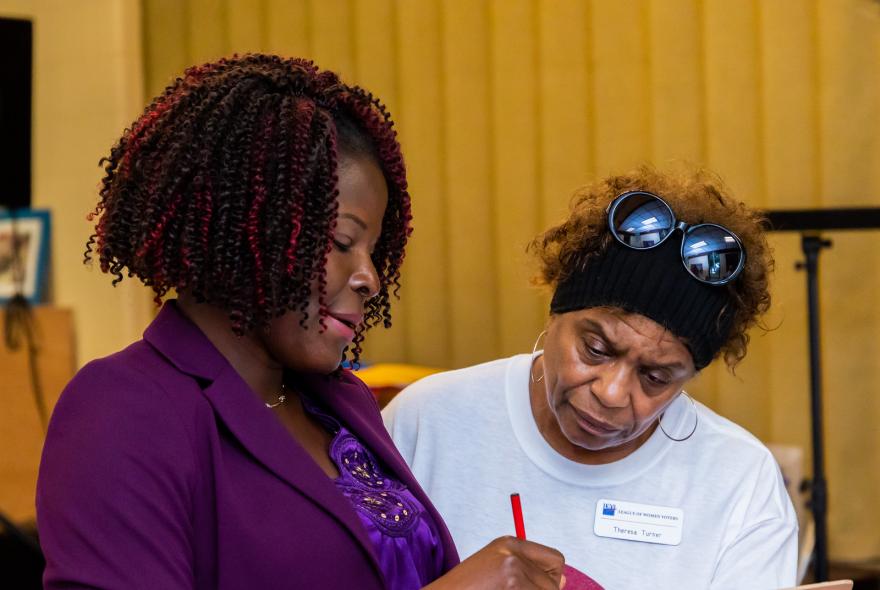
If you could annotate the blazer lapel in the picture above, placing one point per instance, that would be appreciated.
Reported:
(249, 421)
(257, 429)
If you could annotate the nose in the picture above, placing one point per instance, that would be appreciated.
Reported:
(365, 280)
(612, 386)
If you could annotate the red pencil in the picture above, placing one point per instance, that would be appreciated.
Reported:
(517, 516)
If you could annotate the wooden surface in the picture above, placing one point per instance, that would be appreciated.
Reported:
(21, 432)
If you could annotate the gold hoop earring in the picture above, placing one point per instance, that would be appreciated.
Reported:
(693, 430)
(534, 350)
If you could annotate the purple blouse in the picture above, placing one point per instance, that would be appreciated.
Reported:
(405, 539)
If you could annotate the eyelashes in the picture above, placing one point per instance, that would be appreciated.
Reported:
(593, 350)
(596, 352)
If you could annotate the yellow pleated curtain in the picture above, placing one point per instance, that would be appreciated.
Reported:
(505, 107)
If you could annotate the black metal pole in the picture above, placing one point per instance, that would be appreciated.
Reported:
(815, 220)
(811, 246)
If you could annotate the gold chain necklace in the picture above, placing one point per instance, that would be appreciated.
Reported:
(282, 398)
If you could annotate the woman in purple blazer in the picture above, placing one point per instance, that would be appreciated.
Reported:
(228, 449)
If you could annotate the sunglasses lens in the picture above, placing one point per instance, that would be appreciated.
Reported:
(641, 220)
(711, 253)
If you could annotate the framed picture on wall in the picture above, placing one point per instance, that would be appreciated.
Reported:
(24, 253)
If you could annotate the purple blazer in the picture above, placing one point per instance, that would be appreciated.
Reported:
(162, 469)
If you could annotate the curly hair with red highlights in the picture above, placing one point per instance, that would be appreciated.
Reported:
(226, 187)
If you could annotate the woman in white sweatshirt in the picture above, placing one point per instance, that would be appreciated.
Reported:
(654, 276)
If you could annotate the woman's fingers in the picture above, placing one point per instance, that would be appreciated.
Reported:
(540, 579)
(538, 565)
(510, 563)
(546, 558)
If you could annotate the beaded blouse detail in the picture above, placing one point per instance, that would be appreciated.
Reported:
(368, 489)
(403, 534)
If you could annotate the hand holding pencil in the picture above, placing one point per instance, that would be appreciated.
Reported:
(507, 562)
(571, 578)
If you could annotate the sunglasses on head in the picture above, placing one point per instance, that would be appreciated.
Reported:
(711, 253)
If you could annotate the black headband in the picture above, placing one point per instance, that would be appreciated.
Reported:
(655, 284)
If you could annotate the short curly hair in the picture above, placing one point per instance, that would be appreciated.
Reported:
(696, 196)
(226, 186)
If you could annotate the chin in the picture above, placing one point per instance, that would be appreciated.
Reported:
(606, 446)
(589, 442)
(591, 445)
(321, 362)
(325, 367)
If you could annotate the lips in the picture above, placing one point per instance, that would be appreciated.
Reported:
(345, 323)
(352, 320)
(593, 425)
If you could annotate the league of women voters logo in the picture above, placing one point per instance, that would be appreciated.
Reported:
(608, 509)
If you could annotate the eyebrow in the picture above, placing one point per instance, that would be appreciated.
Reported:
(354, 218)
(597, 327)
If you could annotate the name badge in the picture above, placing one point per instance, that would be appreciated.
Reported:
(638, 522)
